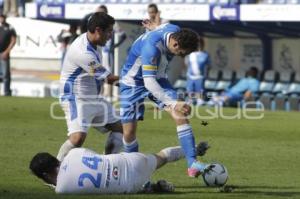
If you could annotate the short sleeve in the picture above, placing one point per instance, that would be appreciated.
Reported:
(12, 31)
(150, 59)
(92, 66)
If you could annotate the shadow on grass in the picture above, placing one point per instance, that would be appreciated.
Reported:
(280, 191)
(236, 191)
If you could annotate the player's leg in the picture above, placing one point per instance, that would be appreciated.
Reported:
(132, 110)
(114, 141)
(108, 121)
(5, 66)
(170, 154)
(190, 91)
(173, 154)
(76, 129)
(185, 134)
(129, 137)
(74, 140)
(187, 142)
(198, 89)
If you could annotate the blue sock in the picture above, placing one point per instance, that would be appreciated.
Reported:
(187, 142)
(131, 147)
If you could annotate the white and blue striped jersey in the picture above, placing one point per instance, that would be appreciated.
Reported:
(86, 172)
(82, 72)
(196, 63)
(148, 56)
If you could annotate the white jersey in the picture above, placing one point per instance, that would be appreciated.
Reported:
(84, 171)
(82, 72)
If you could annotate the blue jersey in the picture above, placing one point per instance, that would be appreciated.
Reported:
(245, 84)
(148, 56)
(196, 63)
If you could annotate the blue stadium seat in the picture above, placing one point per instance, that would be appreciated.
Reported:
(212, 79)
(294, 87)
(268, 81)
(225, 81)
(280, 90)
(180, 87)
(294, 103)
(266, 86)
(283, 83)
(294, 93)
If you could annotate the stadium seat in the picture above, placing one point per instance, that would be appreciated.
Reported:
(180, 87)
(294, 103)
(281, 89)
(266, 100)
(268, 82)
(266, 86)
(280, 102)
(294, 94)
(213, 77)
(225, 81)
(283, 83)
(238, 75)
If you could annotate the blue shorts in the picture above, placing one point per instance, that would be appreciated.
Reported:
(132, 100)
(195, 86)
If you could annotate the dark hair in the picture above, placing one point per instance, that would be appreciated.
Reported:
(101, 20)
(253, 72)
(104, 8)
(187, 39)
(43, 163)
(153, 5)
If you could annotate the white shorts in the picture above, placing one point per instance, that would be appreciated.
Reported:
(141, 167)
(80, 115)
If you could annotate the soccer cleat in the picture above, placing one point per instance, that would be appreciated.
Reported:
(196, 169)
(192, 172)
(161, 186)
(201, 148)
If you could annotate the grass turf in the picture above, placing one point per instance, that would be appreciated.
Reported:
(262, 156)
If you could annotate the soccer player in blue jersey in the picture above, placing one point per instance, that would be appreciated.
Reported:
(242, 90)
(197, 65)
(144, 75)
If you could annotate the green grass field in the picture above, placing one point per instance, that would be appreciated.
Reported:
(262, 156)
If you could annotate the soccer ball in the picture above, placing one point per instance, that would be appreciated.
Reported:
(217, 176)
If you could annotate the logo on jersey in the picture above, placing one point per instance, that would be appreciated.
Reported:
(92, 63)
(154, 61)
(115, 173)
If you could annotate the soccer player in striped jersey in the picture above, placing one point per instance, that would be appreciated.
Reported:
(144, 75)
(81, 78)
(85, 172)
(196, 70)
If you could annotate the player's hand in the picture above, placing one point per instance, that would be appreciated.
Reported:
(150, 25)
(183, 108)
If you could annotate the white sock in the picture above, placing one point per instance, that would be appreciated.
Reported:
(64, 150)
(114, 143)
(173, 153)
